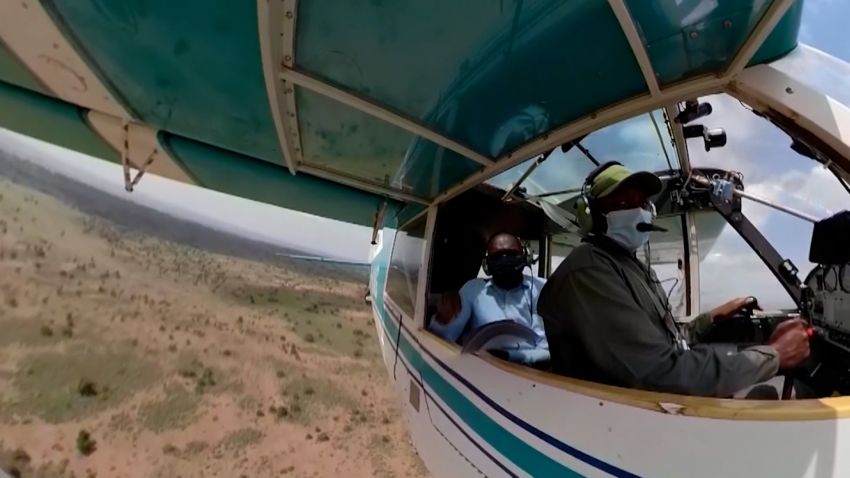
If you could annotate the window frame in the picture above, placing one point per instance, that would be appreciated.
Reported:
(420, 295)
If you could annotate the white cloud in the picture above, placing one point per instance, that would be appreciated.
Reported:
(814, 191)
(726, 274)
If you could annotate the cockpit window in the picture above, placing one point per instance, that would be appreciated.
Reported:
(728, 267)
(772, 171)
(639, 143)
(403, 276)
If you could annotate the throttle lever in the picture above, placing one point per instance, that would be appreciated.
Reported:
(788, 384)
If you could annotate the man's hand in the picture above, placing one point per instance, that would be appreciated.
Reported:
(448, 308)
(792, 342)
(729, 309)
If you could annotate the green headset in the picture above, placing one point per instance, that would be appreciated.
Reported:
(527, 256)
(584, 206)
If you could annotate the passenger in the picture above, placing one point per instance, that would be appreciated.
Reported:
(608, 320)
(508, 294)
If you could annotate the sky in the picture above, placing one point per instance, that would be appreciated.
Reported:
(729, 268)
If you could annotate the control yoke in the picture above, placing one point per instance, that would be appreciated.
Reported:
(723, 191)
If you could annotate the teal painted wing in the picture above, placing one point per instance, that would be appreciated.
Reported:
(490, 76)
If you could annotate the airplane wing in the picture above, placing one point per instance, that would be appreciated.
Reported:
(328, 260)
(334, 109)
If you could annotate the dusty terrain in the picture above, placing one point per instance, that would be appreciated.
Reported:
(122, 354)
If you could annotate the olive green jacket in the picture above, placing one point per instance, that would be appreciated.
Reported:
(607, 319)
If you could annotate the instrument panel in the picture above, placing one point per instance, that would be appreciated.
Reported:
(844, 279)
(829, 313)
(830, 286)
(827, 308)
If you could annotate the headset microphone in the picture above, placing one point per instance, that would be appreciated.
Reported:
(647, 227)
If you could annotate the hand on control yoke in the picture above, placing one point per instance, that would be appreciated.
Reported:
(733, 307)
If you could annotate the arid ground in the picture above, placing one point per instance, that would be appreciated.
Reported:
(123, 354)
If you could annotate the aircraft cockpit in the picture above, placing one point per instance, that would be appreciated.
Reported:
(774, 232)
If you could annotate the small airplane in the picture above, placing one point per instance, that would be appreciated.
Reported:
(431, 122)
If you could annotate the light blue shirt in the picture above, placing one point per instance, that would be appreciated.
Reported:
(483, 302)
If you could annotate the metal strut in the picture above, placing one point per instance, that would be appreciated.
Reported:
(727, 202)
(127, 163)
(378, 222)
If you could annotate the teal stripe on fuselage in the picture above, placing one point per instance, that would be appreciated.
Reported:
(520, 453)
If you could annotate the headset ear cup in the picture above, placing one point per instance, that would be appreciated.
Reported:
(584, 215)
(526, 254)
(584, 210)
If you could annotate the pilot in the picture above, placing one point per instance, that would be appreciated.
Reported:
(608, 320)
(507, 294)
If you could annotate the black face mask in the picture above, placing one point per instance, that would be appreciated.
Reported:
(506, 270)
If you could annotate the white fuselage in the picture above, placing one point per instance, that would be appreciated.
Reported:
(470, 415)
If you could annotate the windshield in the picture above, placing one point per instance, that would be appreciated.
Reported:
(774, 172)
(639, 143)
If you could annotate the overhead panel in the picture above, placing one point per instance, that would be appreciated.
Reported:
(489, 75)
(343, 140)
(687, 38)
(190, 67)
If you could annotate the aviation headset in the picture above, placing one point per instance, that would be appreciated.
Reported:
(585, 205)
(527, 257)
(527, 261)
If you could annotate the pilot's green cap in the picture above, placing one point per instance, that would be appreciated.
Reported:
(616, 176)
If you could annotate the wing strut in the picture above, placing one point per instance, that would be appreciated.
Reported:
(379, 221)
(129, 184)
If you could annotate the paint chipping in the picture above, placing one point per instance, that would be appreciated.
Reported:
(671, 408)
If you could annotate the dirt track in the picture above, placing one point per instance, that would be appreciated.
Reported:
(180, 362)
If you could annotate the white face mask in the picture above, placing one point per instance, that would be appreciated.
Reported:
(622, 227)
